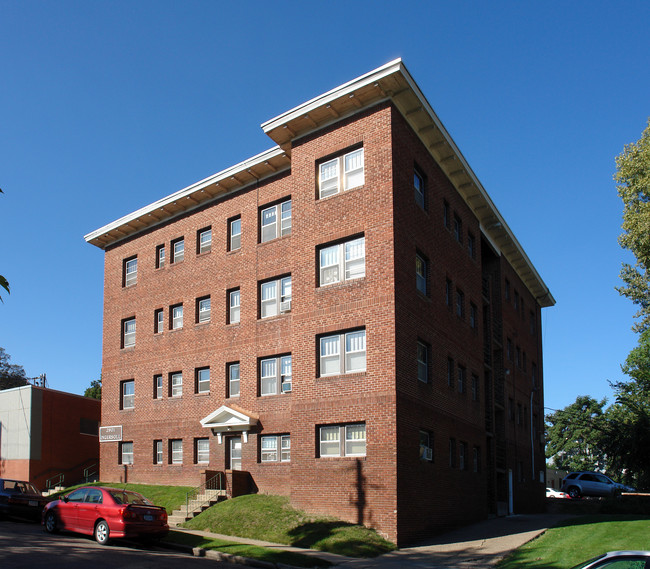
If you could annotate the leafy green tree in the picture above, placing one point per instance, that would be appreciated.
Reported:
(10, 375)
(633, 185)
(574, 435)
(95, 389)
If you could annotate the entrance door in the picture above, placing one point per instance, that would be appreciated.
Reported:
(235, 453)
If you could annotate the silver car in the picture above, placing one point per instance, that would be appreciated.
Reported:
(579, 484)
(618, 560)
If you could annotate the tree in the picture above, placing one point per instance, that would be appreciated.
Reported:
(10, 375)
(574, 435)
(633, 185)
(95, 389)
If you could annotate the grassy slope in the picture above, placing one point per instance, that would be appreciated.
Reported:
(579, 539)
(271, 518)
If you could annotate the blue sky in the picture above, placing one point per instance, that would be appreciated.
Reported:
(108, 106)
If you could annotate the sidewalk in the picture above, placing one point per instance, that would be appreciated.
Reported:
(479, 546)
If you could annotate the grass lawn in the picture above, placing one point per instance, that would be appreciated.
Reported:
(579, 539)
(271, 518)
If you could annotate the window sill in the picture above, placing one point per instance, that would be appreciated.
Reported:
(339, 284)
(352, 374)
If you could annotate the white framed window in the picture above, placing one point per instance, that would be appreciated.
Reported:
(159, 321)
(177, 317)
(160, 256)
(275, 448)
(203, 380)
(343, 261)
(275, 297)
(128, 333)
(234, 234)
(128, 395)
(423, 362)
(202, 451)
(343, 353)
(126, 453)
(204, 240)
(275, 375)
(234, 308)
(130, 271)
(421, 274)
(176, 384)
(157, 386)
(178, 250)
(331, 181)
(176, 451)
(233, 380)
(426, 446)
(275, 221)
(353, 438)
(158, 452)
(203, 309)
(418, 185)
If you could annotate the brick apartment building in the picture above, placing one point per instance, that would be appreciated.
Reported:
(346, 317)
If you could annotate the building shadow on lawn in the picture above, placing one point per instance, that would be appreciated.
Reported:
(310, 534)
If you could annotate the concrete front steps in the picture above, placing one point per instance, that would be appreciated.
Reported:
(195, 507)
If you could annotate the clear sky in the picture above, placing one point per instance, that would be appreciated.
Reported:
(106, 107)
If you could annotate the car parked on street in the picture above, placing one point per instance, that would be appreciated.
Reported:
(20, 498)
(577, 484)
(618, 560)
(106, 513)
(551, 493)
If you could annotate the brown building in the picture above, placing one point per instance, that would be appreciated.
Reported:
(346, 317)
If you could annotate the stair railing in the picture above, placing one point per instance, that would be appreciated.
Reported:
(89, 473)
(214, 483)
(56, 480)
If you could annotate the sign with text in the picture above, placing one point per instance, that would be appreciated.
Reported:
(110, 434)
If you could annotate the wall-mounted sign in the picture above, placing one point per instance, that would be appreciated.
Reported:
(110, 434)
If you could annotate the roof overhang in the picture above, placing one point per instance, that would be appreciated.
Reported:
(228, 419)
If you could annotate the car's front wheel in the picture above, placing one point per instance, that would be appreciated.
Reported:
(102, 532)
(50, 523)
(574, 492)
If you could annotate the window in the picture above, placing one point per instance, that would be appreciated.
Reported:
(342, 262)
(130, 271)
(471, 245)
(473, 316)
(462, 374)
(201, 451)
(158, 321)
(271, 228)
(202, 380)
(516, 300)
(176, 451)
(269, 448)
(532, 323)
(418, 184)
(233, 306)
(353, 436)
(331, 182)
(203, 309)
(275, 375)
(334, 360)
(507, 289)
(127, 394)
(233, 380)
(234, 234)
(450, 372)
(272, 303)
(462, 455)
(176, 316)
(160, 256)
(88, 426)
(476, 459)
(178, 250)
(157, 452)
(448, 293)
(421, 273)
(176, 384)
(458, 229)
(426, 446)
(423, 362)
(126, 453)
(204, 240)
(128, 333)
(475, 388)
(157, 386)
(509, 352)
(460, 303)
(452, 453)
(445, 214)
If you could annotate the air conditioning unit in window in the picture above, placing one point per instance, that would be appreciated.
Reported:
(285, 306)
(427, 453)
(286, 387)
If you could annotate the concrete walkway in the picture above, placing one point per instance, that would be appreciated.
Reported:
(479, 546)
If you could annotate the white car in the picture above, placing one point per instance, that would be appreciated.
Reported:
(618, 560)
(550, 493)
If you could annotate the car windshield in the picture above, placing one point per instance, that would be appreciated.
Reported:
(127, 497)
(19, 487)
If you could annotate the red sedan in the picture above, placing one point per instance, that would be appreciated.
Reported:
(106, 513)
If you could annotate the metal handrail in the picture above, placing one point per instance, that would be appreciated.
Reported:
(89, 472)
(55, 481)
(214, 483)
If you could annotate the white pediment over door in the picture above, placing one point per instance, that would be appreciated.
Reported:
(226, 420)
